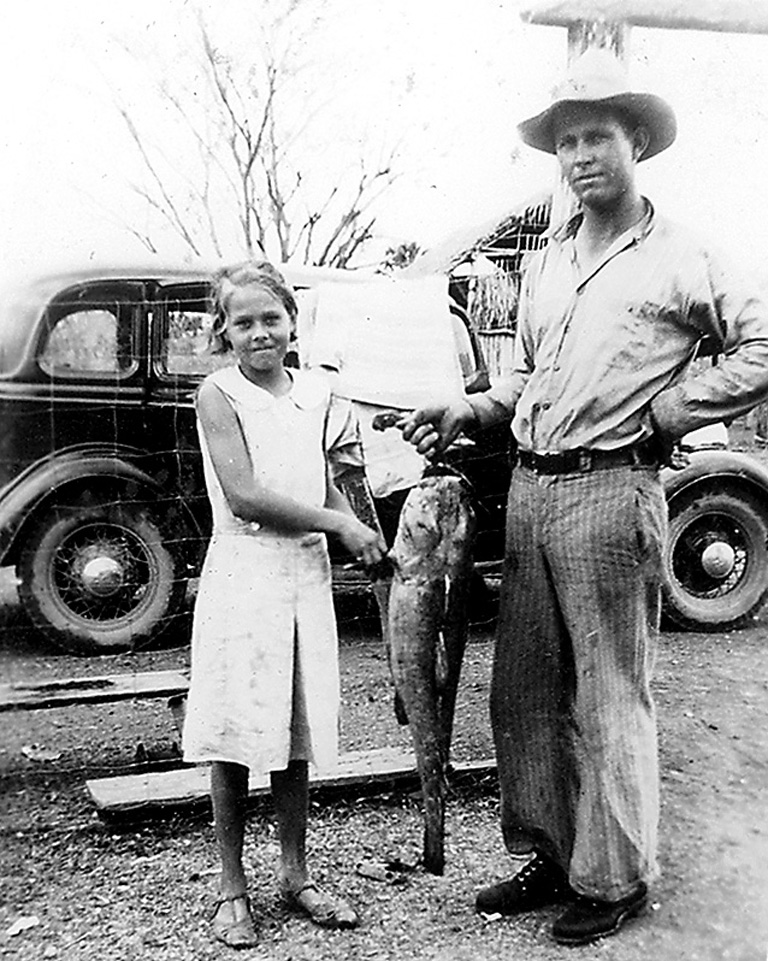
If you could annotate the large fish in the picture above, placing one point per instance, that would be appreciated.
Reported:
(427, 626)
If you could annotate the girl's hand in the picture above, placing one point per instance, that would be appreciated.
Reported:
(365, 544)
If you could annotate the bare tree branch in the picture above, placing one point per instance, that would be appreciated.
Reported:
(170, 210)
(356, 208)
(143, 238)
(251, 180)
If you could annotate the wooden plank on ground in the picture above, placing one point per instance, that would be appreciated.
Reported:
(142, 794)
(91, 690)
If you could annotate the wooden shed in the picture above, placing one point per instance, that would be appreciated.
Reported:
(484, 265)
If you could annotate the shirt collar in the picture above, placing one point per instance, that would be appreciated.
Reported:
(309, 389)
(636, 232)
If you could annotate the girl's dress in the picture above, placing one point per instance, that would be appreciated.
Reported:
(264, 687)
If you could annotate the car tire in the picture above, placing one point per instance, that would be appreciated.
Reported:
(97, 577)
(715, 559)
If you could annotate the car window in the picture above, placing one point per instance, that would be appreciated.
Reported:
(88, 341)
(185, 329)
(187, 349)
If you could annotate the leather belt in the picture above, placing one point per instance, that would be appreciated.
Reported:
(581, 460)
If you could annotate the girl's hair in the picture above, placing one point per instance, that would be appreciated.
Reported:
(226, 281)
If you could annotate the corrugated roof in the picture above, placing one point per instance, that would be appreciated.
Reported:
(477, 238)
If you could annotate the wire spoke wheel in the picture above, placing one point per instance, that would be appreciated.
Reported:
(97, 577)
(716, 560)
(103, 571)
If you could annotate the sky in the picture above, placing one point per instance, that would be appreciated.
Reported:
(445, 79)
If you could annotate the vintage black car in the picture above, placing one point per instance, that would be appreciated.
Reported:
(102, 503)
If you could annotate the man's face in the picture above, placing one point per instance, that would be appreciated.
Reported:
(597, 154)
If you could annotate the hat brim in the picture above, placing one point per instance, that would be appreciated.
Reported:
(650, 111)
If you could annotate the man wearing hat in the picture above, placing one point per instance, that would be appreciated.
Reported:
(611, 315)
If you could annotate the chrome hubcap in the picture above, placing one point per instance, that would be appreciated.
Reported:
(102, 576)
(718, 559)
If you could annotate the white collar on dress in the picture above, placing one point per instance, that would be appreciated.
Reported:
(310, 389)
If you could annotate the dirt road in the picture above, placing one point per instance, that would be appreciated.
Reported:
(100, 891)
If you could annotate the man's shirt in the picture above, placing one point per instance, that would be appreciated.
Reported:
(597, 351)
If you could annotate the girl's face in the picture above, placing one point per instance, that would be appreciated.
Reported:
(259, 329)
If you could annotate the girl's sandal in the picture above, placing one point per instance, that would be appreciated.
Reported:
(235, 933)
(321, 908)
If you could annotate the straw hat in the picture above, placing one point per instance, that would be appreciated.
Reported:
(597, 77)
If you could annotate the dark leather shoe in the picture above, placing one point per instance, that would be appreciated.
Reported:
(586, 920)
(539, 883)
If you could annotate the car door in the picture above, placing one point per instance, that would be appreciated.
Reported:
(181, 320)
(85, 381)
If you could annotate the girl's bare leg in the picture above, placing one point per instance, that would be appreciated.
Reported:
(290, 790)
(229, 794)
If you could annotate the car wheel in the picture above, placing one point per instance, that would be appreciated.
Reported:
(716, 560)
(96, 577)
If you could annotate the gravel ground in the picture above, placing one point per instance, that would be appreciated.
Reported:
(144, 890)
(130, 890)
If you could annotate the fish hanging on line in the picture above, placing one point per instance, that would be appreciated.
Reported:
(427, 624)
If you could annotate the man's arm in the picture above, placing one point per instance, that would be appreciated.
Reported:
(433, 427)
(497, 404)
(738, 319)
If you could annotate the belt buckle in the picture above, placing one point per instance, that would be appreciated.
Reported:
(585, 461)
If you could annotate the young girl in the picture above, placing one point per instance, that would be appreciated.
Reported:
(264, 690)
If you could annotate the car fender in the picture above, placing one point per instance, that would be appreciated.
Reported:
(725, 467)
(42, 480)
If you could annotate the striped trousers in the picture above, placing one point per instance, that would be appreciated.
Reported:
(571, 709)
